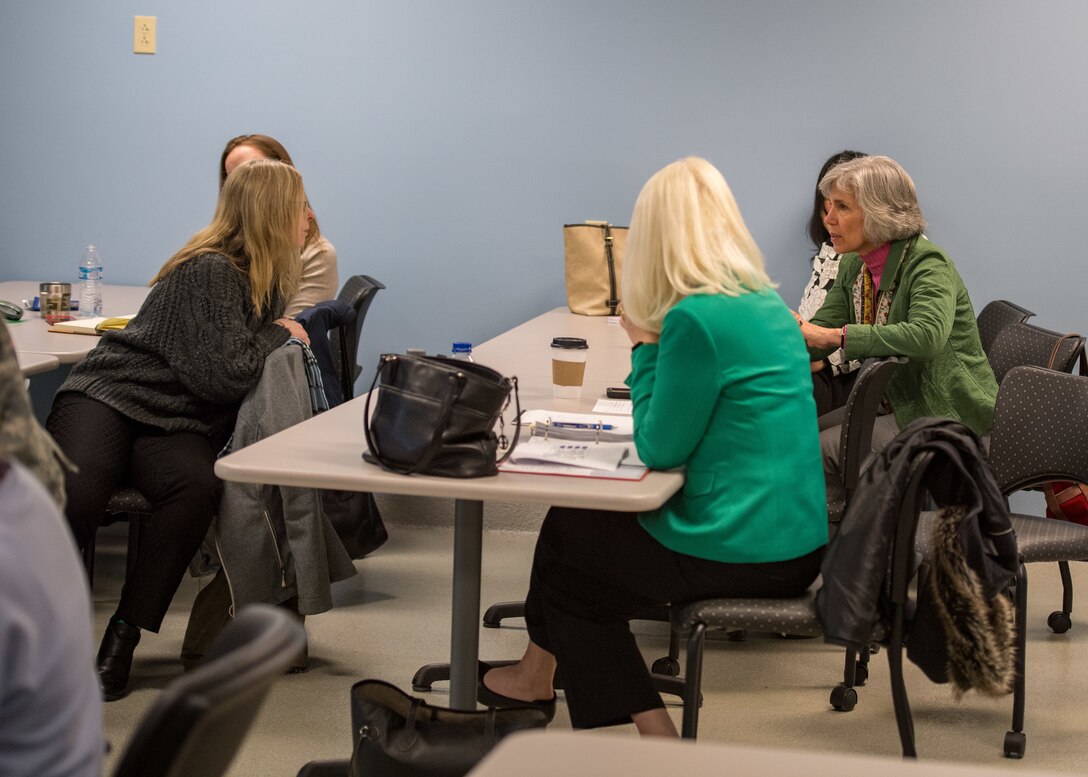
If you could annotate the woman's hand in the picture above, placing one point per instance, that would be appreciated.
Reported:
(820, 337)
(295, 328)
(636, 333)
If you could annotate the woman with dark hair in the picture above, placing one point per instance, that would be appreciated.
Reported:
(833, 376)
(896, 294)
(319, 280)
(154, 402)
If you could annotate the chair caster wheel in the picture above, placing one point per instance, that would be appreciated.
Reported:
(861, 673)
(1015, 744)
(737, 635)
(1059, 622)
(844, 699)
(666, 665)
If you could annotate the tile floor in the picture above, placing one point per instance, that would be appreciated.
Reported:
(394, 617)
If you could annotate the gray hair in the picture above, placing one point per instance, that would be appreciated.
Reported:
(885, 194)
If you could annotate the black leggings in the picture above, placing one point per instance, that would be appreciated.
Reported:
(174, 472)
(594, 571)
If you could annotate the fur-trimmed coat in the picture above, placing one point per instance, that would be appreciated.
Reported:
(962, 628)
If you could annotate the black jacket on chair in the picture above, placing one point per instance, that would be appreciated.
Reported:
(946, 632)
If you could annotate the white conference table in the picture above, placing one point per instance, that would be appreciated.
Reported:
(31, 335)
(592, 754)
(35, 363)
(326, 452)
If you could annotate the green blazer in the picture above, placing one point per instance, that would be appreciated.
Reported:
(932, 323)
(727, 394)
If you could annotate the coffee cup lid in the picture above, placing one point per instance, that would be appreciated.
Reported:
(573, 343)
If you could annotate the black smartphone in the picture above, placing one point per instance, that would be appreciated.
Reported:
(620, 392)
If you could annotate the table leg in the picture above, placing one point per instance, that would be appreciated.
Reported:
(468, 529)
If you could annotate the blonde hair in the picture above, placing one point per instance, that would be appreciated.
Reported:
(256, 226)
(270, 148)
(885, 194)
(687, 237)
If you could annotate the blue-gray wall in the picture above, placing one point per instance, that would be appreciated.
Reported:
(444, 143)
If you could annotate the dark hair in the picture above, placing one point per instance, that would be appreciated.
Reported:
(817, 232)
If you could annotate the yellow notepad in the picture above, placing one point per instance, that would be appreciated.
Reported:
(92, 326)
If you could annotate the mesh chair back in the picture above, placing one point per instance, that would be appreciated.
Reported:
(996, 316)
(1040, 428)
(1027, 344)
(194, 729)
(358, 292)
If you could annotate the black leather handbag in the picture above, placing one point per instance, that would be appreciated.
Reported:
(436, 416)
(397, 735)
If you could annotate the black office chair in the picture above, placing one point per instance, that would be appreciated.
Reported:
(995, 317)
(358, 292)
(197, 725)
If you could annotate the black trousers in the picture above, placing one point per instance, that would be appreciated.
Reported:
(174, 472)
(830, 391)
(594, 571)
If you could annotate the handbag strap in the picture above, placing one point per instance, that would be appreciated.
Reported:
(407, 742)
(613, 299)
(517, 420)
(1056, 351)
(454, 386)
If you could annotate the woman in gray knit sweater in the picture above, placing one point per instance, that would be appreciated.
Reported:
(153, 403)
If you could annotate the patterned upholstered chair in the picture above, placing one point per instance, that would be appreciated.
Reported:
(1027, 345)
(799, 616)
(995, 317)
(126, 504)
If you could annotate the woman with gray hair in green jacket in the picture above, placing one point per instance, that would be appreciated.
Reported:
(897, 294)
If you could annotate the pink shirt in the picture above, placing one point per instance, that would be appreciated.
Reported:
(875, 261)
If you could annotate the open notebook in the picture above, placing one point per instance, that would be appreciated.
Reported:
(92, 326)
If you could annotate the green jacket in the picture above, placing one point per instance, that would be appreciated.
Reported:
(727, 394)
(932, 323)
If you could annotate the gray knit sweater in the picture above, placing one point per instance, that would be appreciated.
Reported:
(191, 354)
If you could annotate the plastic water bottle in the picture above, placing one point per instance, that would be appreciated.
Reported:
(90, 276)
(463, 351)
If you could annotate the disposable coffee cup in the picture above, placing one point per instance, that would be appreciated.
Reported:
(568, 366)
(56, 300)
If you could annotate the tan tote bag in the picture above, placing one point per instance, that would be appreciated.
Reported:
(594, 254)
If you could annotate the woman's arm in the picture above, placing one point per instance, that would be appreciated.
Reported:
(210, 346)
(931, 288)
(319, 280)
(675, 385)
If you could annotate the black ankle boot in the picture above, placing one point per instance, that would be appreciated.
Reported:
(115, 658)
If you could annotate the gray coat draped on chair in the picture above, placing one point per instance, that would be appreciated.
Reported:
(275, 542)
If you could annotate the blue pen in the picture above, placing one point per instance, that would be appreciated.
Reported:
(565, 425)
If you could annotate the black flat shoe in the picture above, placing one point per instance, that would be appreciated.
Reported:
(115, 658)
(489, 698)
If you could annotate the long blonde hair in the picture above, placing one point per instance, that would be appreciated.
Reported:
(271, 149)
(687, 237)
(256, 226)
